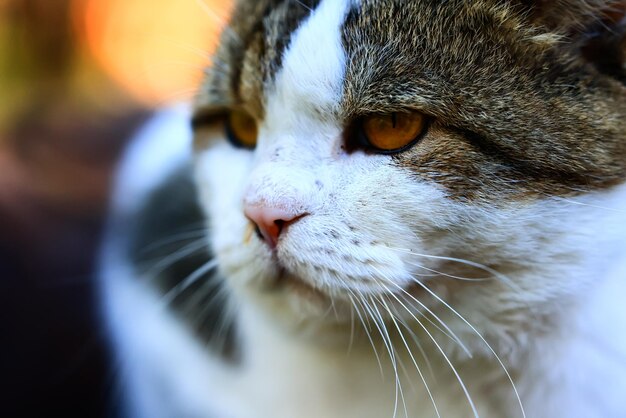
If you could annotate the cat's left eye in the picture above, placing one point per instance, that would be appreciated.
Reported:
(392, 132)
(241, 129)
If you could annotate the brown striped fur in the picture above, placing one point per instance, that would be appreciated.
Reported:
(250, 53)
(518, 108)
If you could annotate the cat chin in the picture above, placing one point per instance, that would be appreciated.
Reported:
(284, 285)
(291, 301)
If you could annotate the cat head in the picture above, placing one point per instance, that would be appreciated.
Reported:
(387, 155)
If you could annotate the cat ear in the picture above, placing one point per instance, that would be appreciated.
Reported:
(578, 16)
(597, 28)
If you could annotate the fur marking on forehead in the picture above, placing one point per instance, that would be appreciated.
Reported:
(311, 80)
(251, 52)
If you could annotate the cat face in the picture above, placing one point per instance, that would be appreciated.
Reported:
(492, 203)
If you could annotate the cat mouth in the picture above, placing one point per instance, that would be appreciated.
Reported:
(411, 297)
(416, 291)
(286, 280)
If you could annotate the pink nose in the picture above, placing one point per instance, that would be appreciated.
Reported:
(270, 222)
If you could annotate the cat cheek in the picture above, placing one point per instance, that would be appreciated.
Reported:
(221, 171)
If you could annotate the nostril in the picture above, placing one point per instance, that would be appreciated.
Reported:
(270, 222)
(279, 224)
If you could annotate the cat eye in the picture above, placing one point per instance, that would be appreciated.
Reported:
(392, 132)
(241, 129)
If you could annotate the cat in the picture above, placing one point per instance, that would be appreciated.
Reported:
(388, 209)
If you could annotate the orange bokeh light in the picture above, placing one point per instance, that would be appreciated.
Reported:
(156, 49)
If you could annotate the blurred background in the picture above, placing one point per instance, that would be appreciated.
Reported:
(77, 79)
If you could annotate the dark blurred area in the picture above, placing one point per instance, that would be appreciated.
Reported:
(78, 78)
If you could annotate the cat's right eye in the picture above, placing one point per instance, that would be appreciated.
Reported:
(389, 133)
(241, 129)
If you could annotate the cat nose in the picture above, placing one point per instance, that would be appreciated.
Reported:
(270, 222)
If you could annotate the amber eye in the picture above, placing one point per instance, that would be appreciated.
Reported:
(393, 132)
(241, 129)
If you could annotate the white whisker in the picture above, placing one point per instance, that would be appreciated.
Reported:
(440, 273)
(574, 202)
(420, 348)
(508, 375)
(449, 333)
(171, 239)
(188, 281)
(366, 327)
(201, 53)
(222, 22)
(406, 345)
(456, 373)
(504, 279)
(170, 259)
(213, 15)
(380, 324)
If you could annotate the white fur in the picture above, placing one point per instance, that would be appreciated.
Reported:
(162, 145)
(552, 313)
(161, 370)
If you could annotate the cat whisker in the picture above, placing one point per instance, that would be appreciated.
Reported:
(201, 53)
(454, 311)
(451, 276)
(454, 370)
(188, 281)
(171, 239)
(208, 289)
(209, 297)
(203, 295)
(453, 338)
(176, 95)
(407, 374)
(367, 315)
(334, 308)
(574, 202)
(225, 319)
(212, 14)
(352, 307)
(221, 21)
(449, 333)
(304, 5)
(450, 364)
(170, 259)
(366, 328)
(406, 345)
(370, 313)
(503, 278)
(329, 309)
(419, 346)
(351, 340)
(172, 63)
(380, 324)
(414, 338)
